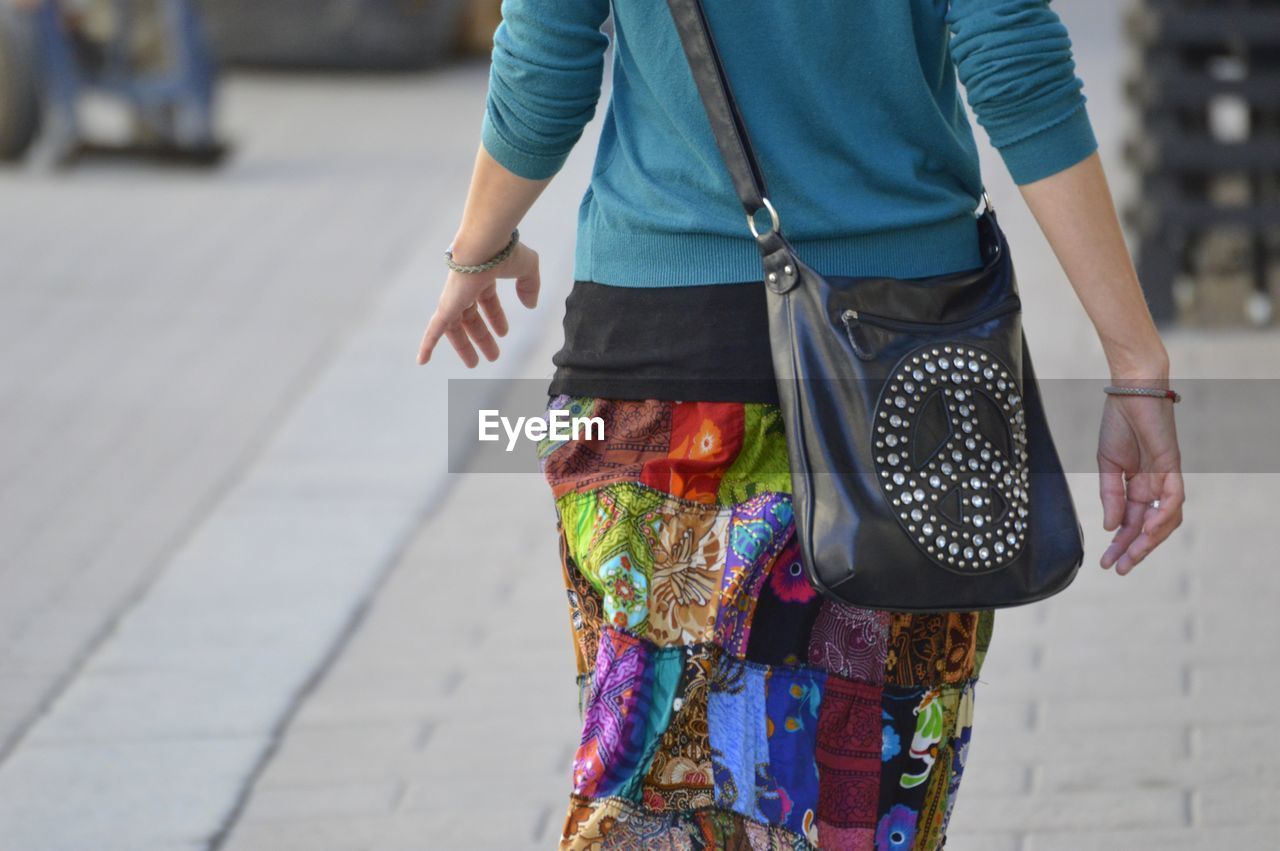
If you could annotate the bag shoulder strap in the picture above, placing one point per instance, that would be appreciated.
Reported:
(722, 109)
(726, 120)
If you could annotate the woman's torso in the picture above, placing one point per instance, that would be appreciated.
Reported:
(853, 110)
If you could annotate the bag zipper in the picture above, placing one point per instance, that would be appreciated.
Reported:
(853, 318)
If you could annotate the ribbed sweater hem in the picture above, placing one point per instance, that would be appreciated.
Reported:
(683, 259)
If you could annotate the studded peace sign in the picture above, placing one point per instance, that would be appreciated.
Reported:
(951, 456)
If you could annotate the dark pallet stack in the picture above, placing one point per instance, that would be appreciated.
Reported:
(1206, 90)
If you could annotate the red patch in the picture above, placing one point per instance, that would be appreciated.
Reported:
(848, 754)
(706, 437)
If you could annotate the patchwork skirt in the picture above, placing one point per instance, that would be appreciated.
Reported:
(724, 703)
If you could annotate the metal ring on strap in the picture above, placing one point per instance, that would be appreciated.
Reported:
(751, 221)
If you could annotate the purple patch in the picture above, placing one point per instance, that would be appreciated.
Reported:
(757, 530)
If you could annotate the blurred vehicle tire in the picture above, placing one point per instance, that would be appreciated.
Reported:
(19, 85)
(370, 34)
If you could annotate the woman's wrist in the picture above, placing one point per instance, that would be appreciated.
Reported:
(1133, 347)
(472, 246)
(1147, 363)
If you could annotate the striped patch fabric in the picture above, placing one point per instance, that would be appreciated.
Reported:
(724, 703)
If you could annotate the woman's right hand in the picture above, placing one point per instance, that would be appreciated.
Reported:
(1138, 462)
(1138, 446)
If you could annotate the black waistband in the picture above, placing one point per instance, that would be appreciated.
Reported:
(704, 342)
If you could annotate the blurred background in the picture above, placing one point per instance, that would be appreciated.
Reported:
(247, 602)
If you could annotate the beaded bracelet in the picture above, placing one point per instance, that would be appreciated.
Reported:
(1154, 392)
(488, 264)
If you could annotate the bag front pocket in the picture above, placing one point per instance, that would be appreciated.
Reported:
(854, 322)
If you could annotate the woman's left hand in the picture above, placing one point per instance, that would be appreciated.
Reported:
(467, 294)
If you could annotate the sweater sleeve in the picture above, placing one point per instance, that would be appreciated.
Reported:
(1014, 59)
(544, 82)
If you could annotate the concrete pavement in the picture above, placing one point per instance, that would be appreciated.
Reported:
(217, 441)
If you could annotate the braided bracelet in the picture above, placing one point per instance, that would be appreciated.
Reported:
(1154, 392)
(488, 264)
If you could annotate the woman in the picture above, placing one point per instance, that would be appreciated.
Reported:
(725, 704)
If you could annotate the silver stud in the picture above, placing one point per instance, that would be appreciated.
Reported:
(773, 276)
(787, 269)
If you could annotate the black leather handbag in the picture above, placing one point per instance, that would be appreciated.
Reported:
(924, 476)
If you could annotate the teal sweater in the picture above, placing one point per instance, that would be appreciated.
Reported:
(853, 107)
